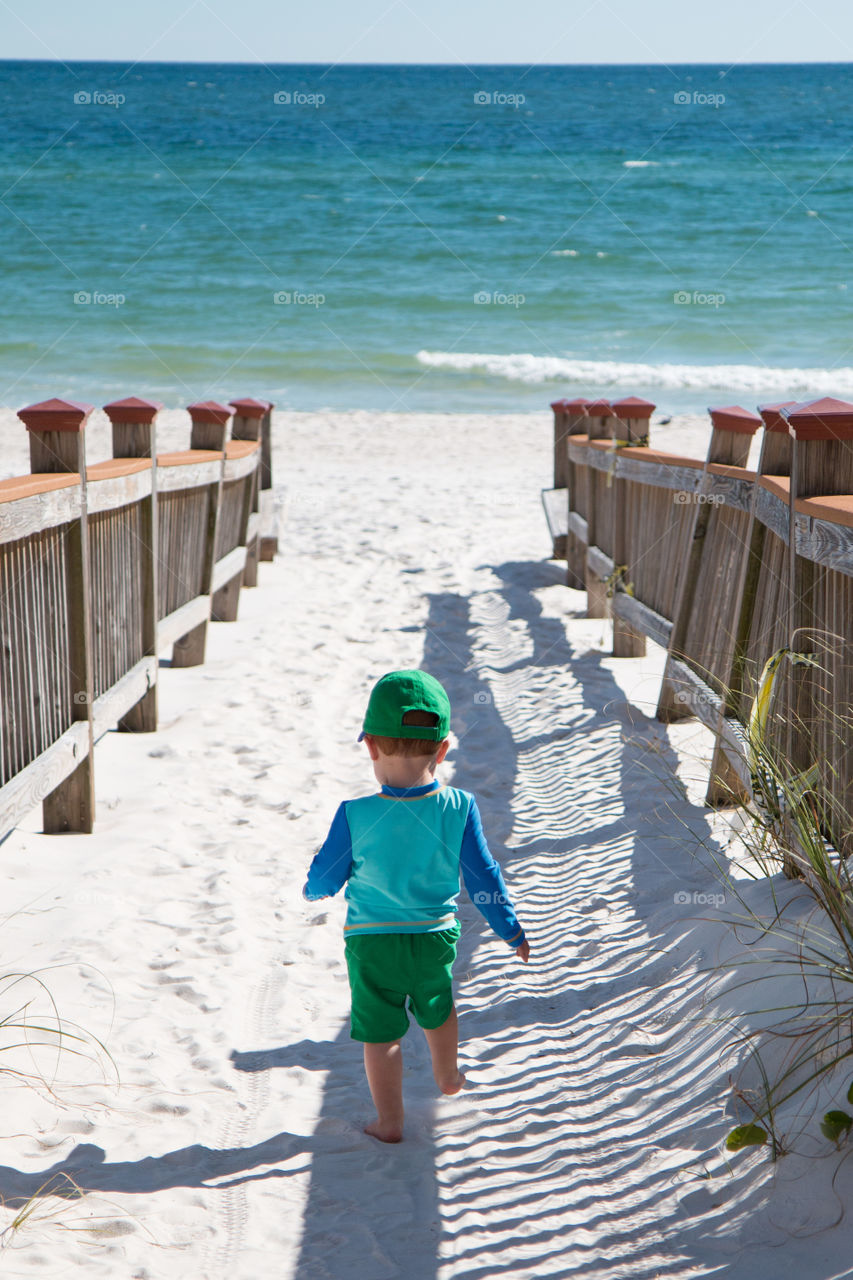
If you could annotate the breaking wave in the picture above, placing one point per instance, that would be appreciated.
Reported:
(531, 370)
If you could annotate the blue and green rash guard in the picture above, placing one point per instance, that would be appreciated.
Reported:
(400, 853)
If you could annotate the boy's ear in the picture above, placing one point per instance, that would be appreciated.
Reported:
(371, 747)
(442, 750)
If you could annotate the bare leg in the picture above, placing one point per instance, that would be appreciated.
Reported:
(383, 1066)
(443, 1044)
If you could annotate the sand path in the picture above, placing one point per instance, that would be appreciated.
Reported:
(233, 1146)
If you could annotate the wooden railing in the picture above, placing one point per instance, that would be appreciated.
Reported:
(726, 567)
(104, 567)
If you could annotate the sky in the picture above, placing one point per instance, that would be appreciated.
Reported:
(430, 31)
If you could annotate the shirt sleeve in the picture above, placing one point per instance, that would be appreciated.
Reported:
(333, 861)
(484, 882)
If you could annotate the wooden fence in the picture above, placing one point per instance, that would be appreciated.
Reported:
(725, 567)
(104, 567)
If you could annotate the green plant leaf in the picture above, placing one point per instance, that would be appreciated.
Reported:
(746, 1135)
(835, 1124)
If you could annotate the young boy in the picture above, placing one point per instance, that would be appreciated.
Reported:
(400, 852)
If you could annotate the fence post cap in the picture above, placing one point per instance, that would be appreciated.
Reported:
(772, 416)
(248, 407)
(598, 409)
(210, 411)
(132, 409)
(55, 415)
(825, 419)
(632, 407)
(733, 418)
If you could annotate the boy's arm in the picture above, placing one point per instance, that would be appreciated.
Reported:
(484, 881)
(332, 862)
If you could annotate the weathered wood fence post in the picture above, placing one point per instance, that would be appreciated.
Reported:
(600, 420)
(134, 434)
(774, 460)
(249, 415)
(817, 711)
(632, 416)
(561, 465)
(575, 424)
(58, 444)
(209, 429)
(700, 619)
(269, 519)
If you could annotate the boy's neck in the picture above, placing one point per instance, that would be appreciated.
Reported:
(405, 771)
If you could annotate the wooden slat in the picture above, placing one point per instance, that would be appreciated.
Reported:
(109, 492)
(556, 506)
(22, 517)
(239, 464)
(269, 524)
(43, 775)
(182, 620)
(695, 694)
(228, 567)
(577, 526)
(600, 564)
(29, 486)
(732, 484)
(181, 471)
(682, 473)
(641, 617)
(112, 705)
(827, 544)
(772, 511)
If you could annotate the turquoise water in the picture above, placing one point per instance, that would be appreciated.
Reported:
(380, 238)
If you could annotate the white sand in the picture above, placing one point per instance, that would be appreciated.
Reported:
(590, 1142)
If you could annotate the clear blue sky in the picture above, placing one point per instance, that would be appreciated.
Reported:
(517, 31)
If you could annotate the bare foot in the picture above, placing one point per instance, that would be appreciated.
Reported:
(455, 1085)
(384, 1132)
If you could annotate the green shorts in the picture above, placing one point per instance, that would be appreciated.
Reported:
(385, 968)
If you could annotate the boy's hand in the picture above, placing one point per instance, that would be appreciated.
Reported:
(523, 951)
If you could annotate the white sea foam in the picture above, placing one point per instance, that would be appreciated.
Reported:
(641, 164)
(757, 379)
(564, 253)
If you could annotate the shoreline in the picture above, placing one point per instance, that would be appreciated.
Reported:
(687, 434)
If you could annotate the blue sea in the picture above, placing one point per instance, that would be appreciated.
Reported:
(425, 238)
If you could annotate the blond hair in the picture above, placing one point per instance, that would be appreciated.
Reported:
(409, 746)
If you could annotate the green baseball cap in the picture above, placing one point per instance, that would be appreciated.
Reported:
(400, 691)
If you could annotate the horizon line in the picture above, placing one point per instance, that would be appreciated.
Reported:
(462, 65)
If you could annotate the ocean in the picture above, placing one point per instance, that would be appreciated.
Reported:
(425, 238)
